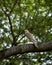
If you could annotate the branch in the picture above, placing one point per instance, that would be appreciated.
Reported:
(26, 48)
(9, 21)
(11, 29)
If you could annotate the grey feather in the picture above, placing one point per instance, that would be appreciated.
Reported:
(30, 37)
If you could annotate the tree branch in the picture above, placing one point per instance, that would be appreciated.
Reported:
(11, 29)
(26, 48)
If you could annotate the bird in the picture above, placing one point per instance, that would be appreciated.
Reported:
(31, 38)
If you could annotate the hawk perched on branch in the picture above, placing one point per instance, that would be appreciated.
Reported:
(31, 38)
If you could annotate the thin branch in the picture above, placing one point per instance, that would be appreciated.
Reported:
(19, 1)
(11, 29)
(21, 39)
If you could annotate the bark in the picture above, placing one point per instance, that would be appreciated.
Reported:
(26, 48)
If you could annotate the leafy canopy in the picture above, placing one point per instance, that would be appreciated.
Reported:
(18, 15)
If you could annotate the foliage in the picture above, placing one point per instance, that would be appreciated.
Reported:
(18, 15)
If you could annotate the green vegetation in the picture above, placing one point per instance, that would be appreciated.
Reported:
(18, 15)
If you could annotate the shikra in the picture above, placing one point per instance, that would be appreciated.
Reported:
(31, 38)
